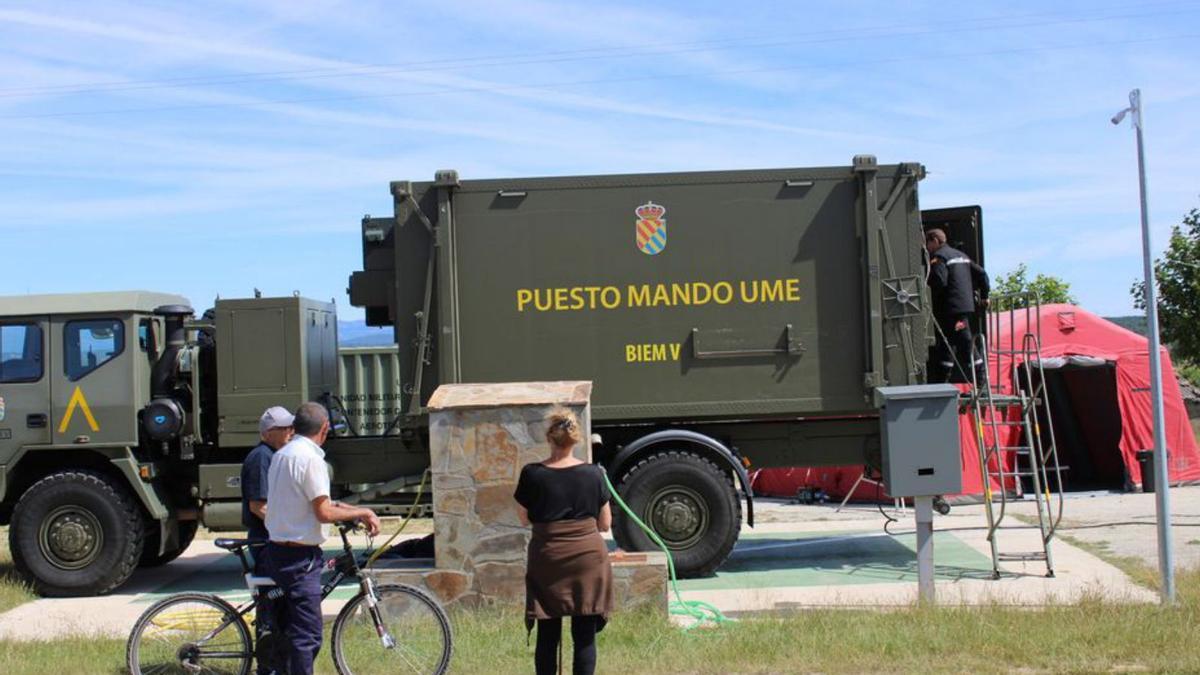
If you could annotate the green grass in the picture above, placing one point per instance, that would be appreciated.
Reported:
(13, 590)
(1092, 636)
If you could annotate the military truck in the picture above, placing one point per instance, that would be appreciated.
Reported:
(728, 319)
(750, 331)
(124, 421)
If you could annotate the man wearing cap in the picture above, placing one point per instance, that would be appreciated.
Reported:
(275, 430)
(298, 483)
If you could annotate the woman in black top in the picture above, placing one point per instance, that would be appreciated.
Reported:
(568, 573)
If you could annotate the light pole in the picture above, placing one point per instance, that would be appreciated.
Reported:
(1162, 486)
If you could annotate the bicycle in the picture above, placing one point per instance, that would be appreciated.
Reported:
(382, 629)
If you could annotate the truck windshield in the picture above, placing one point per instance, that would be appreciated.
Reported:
(90, 344)
(20, 353)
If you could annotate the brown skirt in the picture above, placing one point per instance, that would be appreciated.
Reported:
(568, 573)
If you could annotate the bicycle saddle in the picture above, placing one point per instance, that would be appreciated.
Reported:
(231, 544)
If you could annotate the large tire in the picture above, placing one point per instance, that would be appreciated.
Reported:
(689, 502)
(150, 555)
(76, 533)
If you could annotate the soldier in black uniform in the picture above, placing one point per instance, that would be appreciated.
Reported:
(955, 281)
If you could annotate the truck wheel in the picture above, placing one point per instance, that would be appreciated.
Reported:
(75, 533)
(150, 554)
(689, 502)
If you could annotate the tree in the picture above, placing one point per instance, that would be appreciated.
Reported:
(1178, 275)
(1049, 289)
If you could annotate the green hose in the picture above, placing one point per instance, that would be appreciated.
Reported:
(698, 610)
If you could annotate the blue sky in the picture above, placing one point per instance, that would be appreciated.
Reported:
(212, 148)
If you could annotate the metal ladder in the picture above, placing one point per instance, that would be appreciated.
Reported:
(1013, 395)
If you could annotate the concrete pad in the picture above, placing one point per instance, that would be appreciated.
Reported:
(202, 568)
(845, 560)
(110, 615)
(798, 556)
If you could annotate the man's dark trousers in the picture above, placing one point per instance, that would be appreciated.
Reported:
(953, 359)
(297, 572)
(266, 618)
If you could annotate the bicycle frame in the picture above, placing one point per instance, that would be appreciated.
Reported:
(344, 565)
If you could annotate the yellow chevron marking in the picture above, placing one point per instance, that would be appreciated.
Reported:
(78, 401)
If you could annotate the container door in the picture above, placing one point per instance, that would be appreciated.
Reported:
(321, 352)
(24, 385)
(963, 226)
(92, 384)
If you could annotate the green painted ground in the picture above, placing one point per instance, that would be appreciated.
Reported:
(783, 559)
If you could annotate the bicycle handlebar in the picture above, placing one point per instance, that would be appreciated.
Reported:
(347, 526)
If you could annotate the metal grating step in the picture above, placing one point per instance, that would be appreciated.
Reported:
(1021, 557)
(1003, 401)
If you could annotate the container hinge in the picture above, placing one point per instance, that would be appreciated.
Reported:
(423, 342)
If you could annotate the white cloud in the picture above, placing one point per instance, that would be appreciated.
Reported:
(1025, 134)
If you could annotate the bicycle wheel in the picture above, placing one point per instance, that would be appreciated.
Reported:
(417, 625)
(190, 633)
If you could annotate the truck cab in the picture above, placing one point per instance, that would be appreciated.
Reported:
(124, 421)
(76, 483)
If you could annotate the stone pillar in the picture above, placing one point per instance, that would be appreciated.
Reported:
(480, 435)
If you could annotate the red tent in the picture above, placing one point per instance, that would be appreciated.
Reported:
(1098, 378)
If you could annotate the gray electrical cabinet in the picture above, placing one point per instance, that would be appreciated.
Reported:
(919, 432)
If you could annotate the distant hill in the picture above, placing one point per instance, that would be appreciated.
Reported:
(1134, 322)
(359, 334)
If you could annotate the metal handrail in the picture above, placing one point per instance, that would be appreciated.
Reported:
(1019, 355)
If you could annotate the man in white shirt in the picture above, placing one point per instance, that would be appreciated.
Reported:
(298, 485)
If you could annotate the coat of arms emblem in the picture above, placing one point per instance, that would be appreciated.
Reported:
(651, 228)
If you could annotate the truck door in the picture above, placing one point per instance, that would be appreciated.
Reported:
(93, 388)
(24, 385)
(963, 226)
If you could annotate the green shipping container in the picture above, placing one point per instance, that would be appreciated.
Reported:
(728, 317)
(697, 295)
